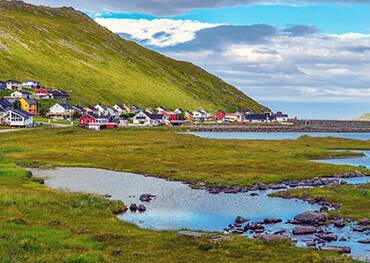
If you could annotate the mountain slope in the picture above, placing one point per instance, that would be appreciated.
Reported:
(64, 48)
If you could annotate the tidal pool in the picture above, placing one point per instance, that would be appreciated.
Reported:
(177, 206)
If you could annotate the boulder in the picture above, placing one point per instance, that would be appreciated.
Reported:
(359, 229)
(366, 241)
(304, 230)
(327, 236)
(146, 197)
(280, 232)
(254, 194)
(341, 250)
(240, 220)
(364, 222)
(272, 221)
(192, 234)
(270, 238)
(133, 207)
(339, 223)
(141, 208)
(310, 217)
(311, 243)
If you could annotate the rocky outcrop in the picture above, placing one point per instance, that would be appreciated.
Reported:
(341, 250)
(192, 234)
(310, 218)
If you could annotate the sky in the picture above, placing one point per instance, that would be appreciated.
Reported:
(308, 58)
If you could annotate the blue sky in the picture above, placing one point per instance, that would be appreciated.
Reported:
(309, 58)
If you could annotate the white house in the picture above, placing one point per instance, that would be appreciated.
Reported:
(200, 115)
(13, 85)
(281, 118)
(178, 111)
(61, 111)
(160, 110)
(121, 109)
(17, 118)
(146, 119)
(31, 84)
(101, 110)
(20, 94)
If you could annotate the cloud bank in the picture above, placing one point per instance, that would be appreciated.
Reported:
(295, 63)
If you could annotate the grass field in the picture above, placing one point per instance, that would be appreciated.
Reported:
(165, 153)
(355, 200)
(38, 224)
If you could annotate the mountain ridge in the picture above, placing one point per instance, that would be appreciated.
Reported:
(65, 48)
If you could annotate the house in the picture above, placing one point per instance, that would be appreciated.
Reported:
(17, 118)
(43, 93)
(20, 94)
(200, 116)
(2, 85)
(233, 117)
(281, 117)
(79, 111)
(160, 110)
(28, 105)
(58, 94)
(121, 109)
(13, 84)
(90, 109)
(61, 111)
(135, 109)
(220, 116)
(31, 84)
(146, 119)
(178, 111)
(88, 118)
(259, 118)
(101, 110)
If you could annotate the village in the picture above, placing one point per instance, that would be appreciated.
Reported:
(21, 108)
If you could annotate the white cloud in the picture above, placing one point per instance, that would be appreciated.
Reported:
(157, 32)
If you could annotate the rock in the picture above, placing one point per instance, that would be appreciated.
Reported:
(311, 243)
(341, 250)
(254, 194)
(310, 217)
(146, 197)
(214, 191)
(261, 186)
(280, 232)
(343, 239)
(364, 222)
(272, 221)
(327, 236)
(240, 220)
(239, 230)
(141, 208)
(359, 229)
(107, 196)
(304, 230)
(133, 207)
(339, 223)
(116, 252)
(269, 238)
(366, 241)
(191, 234)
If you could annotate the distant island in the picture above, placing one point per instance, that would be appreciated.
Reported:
(364, 117)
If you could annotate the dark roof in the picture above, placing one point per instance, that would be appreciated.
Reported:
(13, 81)
(258, 117)
(30, 101)
(23, 113)
(66, 106)
(4, 103)
(155, 116)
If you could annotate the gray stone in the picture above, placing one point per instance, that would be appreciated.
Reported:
(310, 217)
(341, 250)
(192, 234)
(304, 230)
(327, 236)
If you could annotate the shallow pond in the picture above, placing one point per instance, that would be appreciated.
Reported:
(177, 206)
(360, 161)
(277, 135)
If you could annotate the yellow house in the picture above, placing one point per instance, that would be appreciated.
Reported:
(28, 105)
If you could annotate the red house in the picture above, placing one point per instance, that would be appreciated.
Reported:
(220, 115)
(42, 92)
(88, 118)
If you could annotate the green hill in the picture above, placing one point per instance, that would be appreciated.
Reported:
(64, 48)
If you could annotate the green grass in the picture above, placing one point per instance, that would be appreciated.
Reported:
(165, 153)
(355, 200)
(66, 49)
(38, 224)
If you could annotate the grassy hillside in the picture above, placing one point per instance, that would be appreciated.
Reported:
(64, 48)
